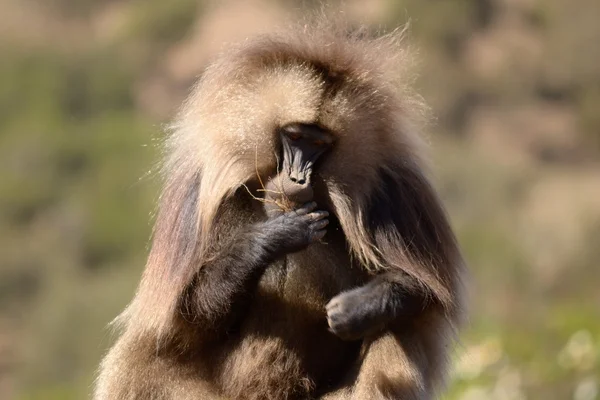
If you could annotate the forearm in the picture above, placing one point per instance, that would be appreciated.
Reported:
(402, 295)
(388, 298)
(224, 285)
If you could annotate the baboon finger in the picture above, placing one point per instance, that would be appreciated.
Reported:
(320, 224)
(318, 215)
(318, 235)
(306, 208)
(332, 305)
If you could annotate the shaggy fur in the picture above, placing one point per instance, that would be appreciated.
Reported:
(181, 339)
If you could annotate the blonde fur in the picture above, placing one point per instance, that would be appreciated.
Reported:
(357, 87)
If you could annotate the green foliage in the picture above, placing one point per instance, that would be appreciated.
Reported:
(73, 208)
(588, 104)
(77, 194)
(163, 21)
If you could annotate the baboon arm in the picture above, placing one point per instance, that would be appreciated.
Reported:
(404, 294)
(388, 297)
(224, 285)
(411, 231)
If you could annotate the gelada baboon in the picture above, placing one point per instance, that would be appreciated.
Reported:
(299, 250)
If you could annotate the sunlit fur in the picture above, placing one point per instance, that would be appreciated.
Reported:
(357, 87)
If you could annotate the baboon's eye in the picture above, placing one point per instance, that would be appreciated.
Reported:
(294, 135)
(318, 142)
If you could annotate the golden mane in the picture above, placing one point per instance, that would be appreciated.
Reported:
(357, 87)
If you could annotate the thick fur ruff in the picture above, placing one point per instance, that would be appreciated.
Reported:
(359, 88)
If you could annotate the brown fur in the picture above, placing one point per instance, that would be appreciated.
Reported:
(358, 88)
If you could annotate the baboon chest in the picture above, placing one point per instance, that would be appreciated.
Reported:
(288, 308)
(302, 283)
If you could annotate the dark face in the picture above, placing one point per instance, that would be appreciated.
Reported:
(302, 146)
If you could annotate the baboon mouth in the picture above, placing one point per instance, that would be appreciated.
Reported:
(286, 193)
(290, 190)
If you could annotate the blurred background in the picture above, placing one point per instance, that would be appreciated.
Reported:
(85, 86)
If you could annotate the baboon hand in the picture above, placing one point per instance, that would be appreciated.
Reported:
(357, 313)
(295, 230)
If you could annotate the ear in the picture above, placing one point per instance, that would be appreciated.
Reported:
(410, 230)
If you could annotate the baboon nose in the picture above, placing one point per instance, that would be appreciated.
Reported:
(298, 178)
(299, 181)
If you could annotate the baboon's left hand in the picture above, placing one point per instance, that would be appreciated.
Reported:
(359, 312)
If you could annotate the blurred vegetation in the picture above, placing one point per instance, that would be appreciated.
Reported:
(86, 85)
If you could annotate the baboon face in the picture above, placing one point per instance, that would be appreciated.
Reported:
(302, 147)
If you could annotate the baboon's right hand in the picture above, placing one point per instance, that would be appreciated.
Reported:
(295, 230)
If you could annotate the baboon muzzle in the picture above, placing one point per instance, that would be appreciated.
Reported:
(285, 191)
